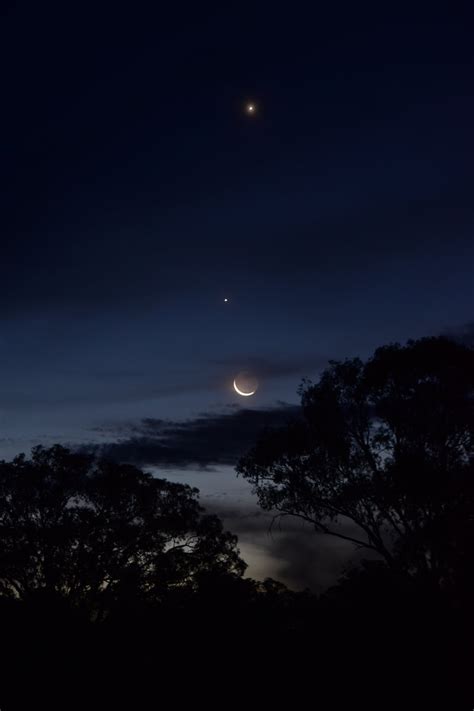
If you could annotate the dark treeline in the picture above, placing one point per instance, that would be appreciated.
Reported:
(117, 589)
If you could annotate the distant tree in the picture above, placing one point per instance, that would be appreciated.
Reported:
(96, 531)
(387, 445)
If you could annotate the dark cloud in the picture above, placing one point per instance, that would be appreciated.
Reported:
(207, 440)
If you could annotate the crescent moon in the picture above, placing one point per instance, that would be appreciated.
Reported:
(241, 392)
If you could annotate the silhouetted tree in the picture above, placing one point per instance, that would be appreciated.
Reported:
(97, 531)
(388, 445)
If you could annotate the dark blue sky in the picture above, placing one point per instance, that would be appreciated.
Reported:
(139, 195)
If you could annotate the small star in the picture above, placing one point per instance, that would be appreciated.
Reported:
(226, 300)
(250, 108)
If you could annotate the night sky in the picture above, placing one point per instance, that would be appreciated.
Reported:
(139, 195)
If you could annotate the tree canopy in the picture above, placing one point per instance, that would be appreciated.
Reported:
(93, 530)
(387, 445)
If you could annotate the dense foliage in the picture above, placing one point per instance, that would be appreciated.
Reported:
(97, 531)
(387, 445)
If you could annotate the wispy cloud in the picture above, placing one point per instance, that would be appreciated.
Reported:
(277, 368)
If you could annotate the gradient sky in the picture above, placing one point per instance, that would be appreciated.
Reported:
(139, 195)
